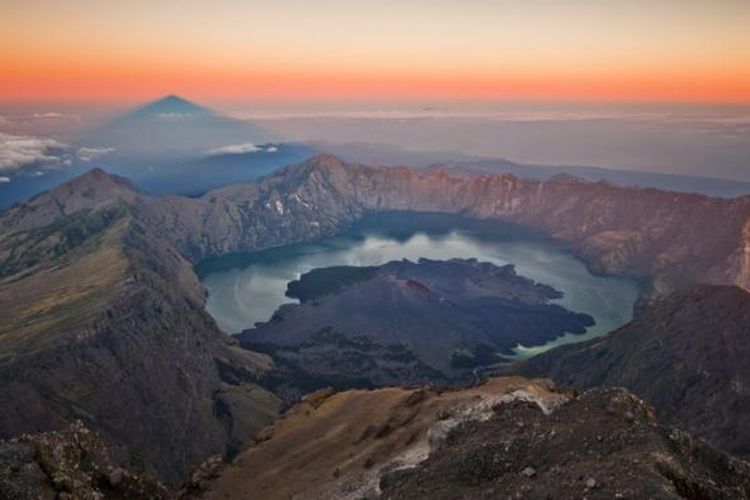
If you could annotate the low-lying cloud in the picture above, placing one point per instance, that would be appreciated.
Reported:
(90, 154)
(234, 149)
(17, 151)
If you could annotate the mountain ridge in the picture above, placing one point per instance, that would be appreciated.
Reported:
(506, 437)
(667, 240)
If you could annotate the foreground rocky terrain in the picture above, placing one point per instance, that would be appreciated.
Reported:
(104, 319)
(406, 323)
(687, 355)
(509, 438)
(72, 463)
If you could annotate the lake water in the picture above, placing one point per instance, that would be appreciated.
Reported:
(247, 288)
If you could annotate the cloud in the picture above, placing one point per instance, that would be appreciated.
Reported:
(89, 154)
(49, 114)
(4, 179)
(235, 149)
(19, 150)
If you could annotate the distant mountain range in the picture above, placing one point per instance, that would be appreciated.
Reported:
(389, 155)
(174, 146)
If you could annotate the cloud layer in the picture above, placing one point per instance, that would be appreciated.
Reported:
(17, 151)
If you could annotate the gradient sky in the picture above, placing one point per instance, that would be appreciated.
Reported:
(663, 50)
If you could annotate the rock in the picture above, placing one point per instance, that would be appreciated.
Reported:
(115, 476)
(73, 463)
(463, 469)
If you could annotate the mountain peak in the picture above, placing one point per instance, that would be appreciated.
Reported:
(85, 192)
(90, 189)
(172, 105)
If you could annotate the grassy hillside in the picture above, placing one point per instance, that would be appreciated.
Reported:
(82, 269)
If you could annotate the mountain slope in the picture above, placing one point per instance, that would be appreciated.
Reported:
(508, 437)
(107, 326)
(687, 355)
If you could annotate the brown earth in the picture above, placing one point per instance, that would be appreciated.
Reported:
(509, 437)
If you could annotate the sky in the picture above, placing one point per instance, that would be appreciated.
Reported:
(556, 50)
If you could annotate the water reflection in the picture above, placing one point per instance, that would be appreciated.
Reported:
(247, 288)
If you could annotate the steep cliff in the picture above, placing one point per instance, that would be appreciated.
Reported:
(666, 239)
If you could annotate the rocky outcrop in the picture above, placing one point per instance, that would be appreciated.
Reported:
(687, 355)
(507, 437)
(600, 444)
(71, 463)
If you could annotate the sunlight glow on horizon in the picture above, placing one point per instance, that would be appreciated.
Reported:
(664, 50)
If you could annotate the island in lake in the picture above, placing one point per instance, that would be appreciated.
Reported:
(407, 322)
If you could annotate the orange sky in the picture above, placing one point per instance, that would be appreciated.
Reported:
(665, 50)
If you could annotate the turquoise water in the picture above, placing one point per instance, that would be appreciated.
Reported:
(247, 288)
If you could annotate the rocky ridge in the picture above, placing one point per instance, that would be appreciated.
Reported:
(507, 437)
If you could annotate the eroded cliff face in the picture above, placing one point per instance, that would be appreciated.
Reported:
(665, 239)
(737, 268)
